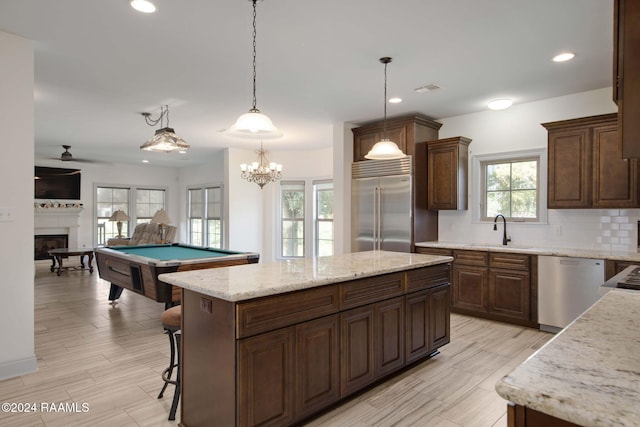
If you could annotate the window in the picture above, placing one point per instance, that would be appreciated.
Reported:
(205, 216)
(140, 204)
(323, 215)
(292, 219)
(510, 187)
(148, 202)
(108, 200)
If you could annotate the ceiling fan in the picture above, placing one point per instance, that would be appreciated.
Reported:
(66, 156)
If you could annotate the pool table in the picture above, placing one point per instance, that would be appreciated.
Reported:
(136, 268)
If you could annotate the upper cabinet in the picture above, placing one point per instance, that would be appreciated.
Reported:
(585, 169)
(626, 74)
(405, 131)
(448, 161)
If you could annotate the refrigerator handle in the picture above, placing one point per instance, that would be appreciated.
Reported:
(375, 218)
(380, 222)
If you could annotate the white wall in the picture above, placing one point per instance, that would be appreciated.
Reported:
(342, 160)
(17, 354)
(518, 128)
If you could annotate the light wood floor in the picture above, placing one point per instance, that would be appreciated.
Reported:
(111, 357)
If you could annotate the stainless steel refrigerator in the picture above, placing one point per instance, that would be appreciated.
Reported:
(381, 208)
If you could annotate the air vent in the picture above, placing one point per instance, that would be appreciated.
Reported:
(427, 88)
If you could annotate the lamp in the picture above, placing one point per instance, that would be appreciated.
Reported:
(254, 122)
(162, 219)
(261, 172)
(119, 216)
(165, 139)
(385, 148)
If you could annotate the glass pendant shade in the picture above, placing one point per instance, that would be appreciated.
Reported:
(165, 140)
(254, 123)
(384, 150)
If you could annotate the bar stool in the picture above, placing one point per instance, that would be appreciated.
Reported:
(171, 320)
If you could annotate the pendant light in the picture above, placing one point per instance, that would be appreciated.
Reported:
(254, 123)
(165, 139)
(385, 149)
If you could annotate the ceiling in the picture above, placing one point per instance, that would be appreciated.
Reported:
(99, 64)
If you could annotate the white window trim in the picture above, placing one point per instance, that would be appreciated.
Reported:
(476, 181)
(203, 189)
(309, 219)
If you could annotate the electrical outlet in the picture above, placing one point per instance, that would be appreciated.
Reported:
(206, 305)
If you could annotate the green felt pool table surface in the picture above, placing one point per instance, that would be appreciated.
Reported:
(173, 252)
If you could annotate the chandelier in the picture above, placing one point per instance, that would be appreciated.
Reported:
(261, 172)
(254, 123)
(385, 148)
(165, 139)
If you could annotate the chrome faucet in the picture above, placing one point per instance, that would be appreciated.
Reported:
(505, 240)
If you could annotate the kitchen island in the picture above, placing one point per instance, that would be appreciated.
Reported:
(275, 343)
(588, 374)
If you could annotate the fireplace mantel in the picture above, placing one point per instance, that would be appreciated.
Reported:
(58, 221)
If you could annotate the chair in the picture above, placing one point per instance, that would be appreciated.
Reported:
(145, 234)
(171, 322)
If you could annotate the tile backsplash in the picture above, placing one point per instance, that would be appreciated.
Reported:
(602, 229)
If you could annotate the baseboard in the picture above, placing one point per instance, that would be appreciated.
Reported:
(16, 368)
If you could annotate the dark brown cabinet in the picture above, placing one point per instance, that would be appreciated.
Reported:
(317, 355)
(265, 375)
(492, 284)
(585, 169)
(626, 75)
(405, 131)
(277, 360)
(448, 173)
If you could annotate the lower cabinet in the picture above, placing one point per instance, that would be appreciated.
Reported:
(495, 285)
(265, 375)
(288, 374)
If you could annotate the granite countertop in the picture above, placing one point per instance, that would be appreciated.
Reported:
(589, 373)
(633, 256)
(248, 281)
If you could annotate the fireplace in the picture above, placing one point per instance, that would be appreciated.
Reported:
(44, 242)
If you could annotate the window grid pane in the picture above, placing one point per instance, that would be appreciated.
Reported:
(510, 189)
(109, 200)
(323, 218)
(292, 201)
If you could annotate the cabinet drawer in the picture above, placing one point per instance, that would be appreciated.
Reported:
(425, 278)
(275, 312)
(510, 261)
(471, 257)
(372, 289)
(434, 251)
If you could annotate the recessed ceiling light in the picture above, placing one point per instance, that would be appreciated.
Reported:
(144, 6)
(145, 161)
(499, 104)
(565, 56)
(395, 100)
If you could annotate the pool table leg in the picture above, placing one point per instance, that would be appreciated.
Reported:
(114, 292)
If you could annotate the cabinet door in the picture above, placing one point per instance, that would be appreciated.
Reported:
(317, 358)
(509, 293)
(615, 182)
(439, 316)
(627, 70)
(443, 177)
(265, 378)
(569, 177)
(418, 342)
(356, 357)
(470, 288)
(389, 336)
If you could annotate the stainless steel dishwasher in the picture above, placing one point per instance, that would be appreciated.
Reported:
(566, 288)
